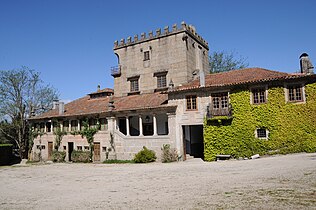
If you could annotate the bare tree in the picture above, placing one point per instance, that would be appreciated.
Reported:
(22, 94)
(221, 61)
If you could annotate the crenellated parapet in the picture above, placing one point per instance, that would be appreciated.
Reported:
(159, 33)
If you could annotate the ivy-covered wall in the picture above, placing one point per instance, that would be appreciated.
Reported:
(291, 126)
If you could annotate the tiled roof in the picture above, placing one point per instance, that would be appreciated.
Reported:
(242, 76)
(86, 105)
(105, 90)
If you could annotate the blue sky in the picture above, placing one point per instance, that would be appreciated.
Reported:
(71, 41)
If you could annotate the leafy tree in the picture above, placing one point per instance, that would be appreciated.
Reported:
(221, 61)
(22, 94)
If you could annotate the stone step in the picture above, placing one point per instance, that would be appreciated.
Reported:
(188, 157)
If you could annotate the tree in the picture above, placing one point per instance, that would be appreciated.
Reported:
(221, 62)
(22, 94)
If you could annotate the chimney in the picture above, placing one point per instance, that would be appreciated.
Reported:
(61, 108)
(306, 65)
(55, 103)
(98, 88)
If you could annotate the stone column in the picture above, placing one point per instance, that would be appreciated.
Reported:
(155, 124)
(45, 127)
(127, 126)
(78, 125)
(62, 126)
(69, 125)
(140, 126)
(51, 126)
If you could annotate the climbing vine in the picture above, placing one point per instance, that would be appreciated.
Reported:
(89, 132)
(59, 134)
(291, 126)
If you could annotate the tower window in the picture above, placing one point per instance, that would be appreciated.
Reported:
(161, 81)
(146, 56)
(134, 85)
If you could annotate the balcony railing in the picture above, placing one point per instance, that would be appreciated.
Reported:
(220, 112)
(116, 71)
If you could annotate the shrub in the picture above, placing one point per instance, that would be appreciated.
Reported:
(145, 156)
(58, 156)
(117, 161)
(168, 154)
(80, 156)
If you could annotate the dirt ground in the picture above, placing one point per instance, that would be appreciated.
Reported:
(279, 182)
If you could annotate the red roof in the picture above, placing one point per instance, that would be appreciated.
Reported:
(235, 77)
(87, 106)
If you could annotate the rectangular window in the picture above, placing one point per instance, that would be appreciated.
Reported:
(79, 148)
(103, 124)
(92, 123)
(86, 148)
(220, 100)
(55, 126)
(66, 126)
(146, 55)
(74, 125)
(161, 81)
(134, 85)
(261, 133)
(191, 102)
(295, 93)
(259, 96)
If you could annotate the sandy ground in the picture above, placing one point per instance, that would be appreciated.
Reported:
(280, 182)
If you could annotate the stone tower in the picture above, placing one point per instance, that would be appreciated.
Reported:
(152, 62)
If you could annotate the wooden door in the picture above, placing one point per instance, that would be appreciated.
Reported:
(96, 149)
(50, 150)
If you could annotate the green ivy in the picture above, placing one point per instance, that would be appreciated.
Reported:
(291, 126)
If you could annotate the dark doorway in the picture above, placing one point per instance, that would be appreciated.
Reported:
(193, 142)
(70, 149)
(122, 125)
(50, 150)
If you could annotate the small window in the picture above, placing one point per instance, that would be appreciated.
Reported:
(86, 148)
(259, 96)
(261, 133)
(220, 100)
(103, 149)
(191, 102)
(74, 125)
(66, 126)
(65, 148)
(38, 146)
(134, 85)
(295, 93)
(103, 124)
(43, 146)
(161, 81)
(79, 148)
(146, 56)
(93, 123)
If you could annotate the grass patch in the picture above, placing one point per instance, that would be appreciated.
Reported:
(118, 161)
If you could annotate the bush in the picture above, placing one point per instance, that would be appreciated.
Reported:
(145, 156)
(80, 156)
(58, 156)
(168, 154)
(117, 161)
(5, 154)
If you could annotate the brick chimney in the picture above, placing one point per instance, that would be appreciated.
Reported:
(306, 65)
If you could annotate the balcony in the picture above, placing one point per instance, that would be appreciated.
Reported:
(220, 113)
(116, 71)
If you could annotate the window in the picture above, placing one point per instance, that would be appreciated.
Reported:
(86, 148)
(259, 96)
(134, 85)
(42, 127)
(92, 123)
(262, 133)
(191, 102)
(79, 148)
(146, 56)
(74, 125)
(66, 126)
(103, 124)
(161, 81)
(103, 149)
(43, 146)
(65, 148)
(55, 126)
(220, 100)
(295, 93)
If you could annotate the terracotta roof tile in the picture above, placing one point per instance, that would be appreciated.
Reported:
(86, 105)
(235, 77)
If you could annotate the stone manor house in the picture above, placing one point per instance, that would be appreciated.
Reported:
(163, 93)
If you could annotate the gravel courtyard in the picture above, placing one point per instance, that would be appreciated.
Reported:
(279, 182)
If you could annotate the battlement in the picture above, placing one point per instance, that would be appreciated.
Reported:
(160, 34)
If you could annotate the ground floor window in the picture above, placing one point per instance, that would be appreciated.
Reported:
(262, 133)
